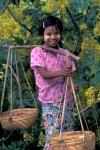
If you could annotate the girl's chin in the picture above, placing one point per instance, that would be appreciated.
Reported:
(52, 45)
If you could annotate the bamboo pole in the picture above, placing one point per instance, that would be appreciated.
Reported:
(47, 48)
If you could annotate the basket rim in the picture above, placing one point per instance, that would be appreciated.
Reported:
(74, 141)
(11, 113)
(18, 109)
(77, 135)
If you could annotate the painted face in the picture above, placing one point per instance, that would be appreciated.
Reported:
(51, 36)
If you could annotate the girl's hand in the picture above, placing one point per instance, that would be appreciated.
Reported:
(67, 72)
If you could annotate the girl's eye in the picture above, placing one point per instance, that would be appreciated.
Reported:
(49, 34)
(56, 33)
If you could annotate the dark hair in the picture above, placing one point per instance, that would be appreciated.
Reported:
(49, 21)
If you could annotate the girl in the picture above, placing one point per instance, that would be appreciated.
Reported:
(50, 70)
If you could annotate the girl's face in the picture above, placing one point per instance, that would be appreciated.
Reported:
(51, 36)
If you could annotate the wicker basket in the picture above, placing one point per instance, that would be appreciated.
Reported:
(74, 141)
(18, 118)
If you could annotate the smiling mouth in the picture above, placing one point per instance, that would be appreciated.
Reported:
(55, 41)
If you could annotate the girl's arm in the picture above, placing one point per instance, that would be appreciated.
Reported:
(53, 74)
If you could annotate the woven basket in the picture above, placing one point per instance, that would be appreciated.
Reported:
(18, 118)
(74, 141)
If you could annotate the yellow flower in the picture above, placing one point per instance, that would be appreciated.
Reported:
(83, 27)
(27, 137)
(90, 94)
(97, 29)
(50, 6)
(96, 2)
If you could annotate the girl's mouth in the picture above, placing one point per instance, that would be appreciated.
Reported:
(54, 42)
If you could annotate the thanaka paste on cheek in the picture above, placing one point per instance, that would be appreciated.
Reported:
(46, 37)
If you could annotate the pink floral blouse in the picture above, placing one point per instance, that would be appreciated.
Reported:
(50, 90)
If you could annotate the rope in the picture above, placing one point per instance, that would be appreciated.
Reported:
(19, 86)
(27, 82)
(85, 119)
(11, 79)
(14, 74)
(74, 94)
(64, 104)
(4, 140)
(82, 112)
(56, 120)
(4, 84)
(69, 64)
(9, 57)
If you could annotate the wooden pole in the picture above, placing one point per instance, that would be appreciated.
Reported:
(47, 48)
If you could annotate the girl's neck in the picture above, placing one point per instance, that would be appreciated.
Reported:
(56, 47)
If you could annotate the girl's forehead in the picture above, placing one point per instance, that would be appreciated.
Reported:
(51, 29)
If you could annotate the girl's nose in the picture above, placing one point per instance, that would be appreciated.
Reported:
(53, 36)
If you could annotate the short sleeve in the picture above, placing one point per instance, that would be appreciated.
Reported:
(73, 66)
(37, 58)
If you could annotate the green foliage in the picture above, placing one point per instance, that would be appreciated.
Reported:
(19, 145)
(16, 2)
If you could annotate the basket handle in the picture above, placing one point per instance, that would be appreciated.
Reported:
(17, 74)
(5, 78)
(19, 86)
(27, 81)
(76, 102)
(64, 104)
